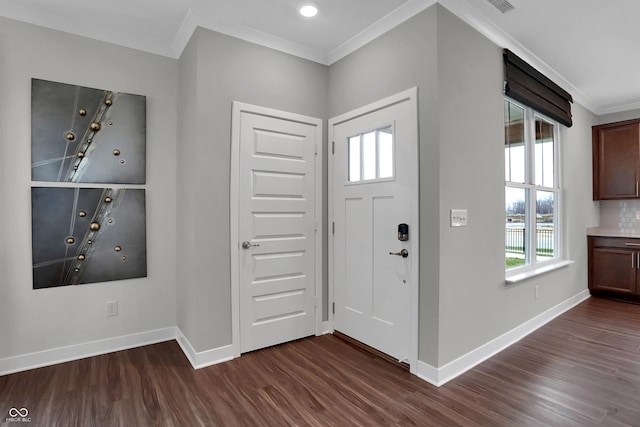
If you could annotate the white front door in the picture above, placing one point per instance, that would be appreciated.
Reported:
(276, 229)
(374, 194)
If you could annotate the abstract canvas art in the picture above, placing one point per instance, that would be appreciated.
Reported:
(80, 134)
(87, 235)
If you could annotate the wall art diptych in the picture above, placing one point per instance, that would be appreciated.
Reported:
(87, 235)
(85, 135)
(80, 134)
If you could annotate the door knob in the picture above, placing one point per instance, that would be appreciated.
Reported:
(403, 253)
(247, 244)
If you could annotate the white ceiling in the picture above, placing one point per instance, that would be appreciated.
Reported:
(586, 46)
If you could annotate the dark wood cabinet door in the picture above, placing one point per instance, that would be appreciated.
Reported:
(616, 160)
(613, 270)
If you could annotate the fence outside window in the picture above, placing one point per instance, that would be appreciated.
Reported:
(515, 240)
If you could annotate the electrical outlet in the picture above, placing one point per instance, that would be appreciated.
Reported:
(112, 308)
(536, 292)
(638, 215)
(458, 217)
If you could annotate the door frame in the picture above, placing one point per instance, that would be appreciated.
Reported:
(237, 109)
(411, 96)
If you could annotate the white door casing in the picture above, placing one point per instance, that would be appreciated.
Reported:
(376, 293)
(275, 226)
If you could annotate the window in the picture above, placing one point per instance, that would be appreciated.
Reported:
(532, 187)
(371, 155)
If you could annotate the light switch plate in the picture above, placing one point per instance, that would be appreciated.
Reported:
(112, 308)
(458, 217)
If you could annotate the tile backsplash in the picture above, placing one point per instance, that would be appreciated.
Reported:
(620, 215)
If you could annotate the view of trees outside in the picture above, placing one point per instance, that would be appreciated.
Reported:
(544, 207)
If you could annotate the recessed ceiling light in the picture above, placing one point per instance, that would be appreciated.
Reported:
(309, 10)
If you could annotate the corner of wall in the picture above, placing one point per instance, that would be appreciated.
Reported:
(203, 359)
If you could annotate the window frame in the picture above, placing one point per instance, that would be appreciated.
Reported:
(360, 135)
(531, 190)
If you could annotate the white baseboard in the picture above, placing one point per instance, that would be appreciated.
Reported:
(204, 358)
(444, 374)
(25, 362)
(435, 376)
(54, 356)
(324, 328)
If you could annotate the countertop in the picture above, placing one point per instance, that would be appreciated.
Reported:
(611, 232)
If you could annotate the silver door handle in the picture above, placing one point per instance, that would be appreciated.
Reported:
(247, 244)
(403, 253)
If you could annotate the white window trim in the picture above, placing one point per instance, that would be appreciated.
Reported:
(518, 275)
(536, 268)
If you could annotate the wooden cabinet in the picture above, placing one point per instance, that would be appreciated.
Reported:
(616, 160)
(614, 267)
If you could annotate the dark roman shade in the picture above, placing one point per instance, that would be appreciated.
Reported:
(527, 85)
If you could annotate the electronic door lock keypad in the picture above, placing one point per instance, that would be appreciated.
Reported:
(403, 232)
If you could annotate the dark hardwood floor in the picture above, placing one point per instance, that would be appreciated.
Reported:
(583, 368)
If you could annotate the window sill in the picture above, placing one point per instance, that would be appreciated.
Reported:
(515, 277)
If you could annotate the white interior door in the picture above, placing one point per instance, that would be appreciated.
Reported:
(374, 189)
(276, 230)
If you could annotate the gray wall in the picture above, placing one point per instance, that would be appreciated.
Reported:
(464, 301)
(471, 166)
(216, 70)
(476, 305)
(36, 320)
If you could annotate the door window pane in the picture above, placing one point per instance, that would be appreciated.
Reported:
(385, 141)
(371, 155)
(514, 143)
(354, 158)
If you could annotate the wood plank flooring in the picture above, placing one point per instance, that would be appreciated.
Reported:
(581, 369)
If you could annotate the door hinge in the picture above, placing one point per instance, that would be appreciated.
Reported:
(316, 153)
(333, 228)
(315, 226)
(333, 147)
(333, 308)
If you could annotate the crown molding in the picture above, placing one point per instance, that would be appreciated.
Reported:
(387, 23)
(461, 8)
(617, 108)
(263, 39)
(464, 9)
(87, 31)
(186, 30)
